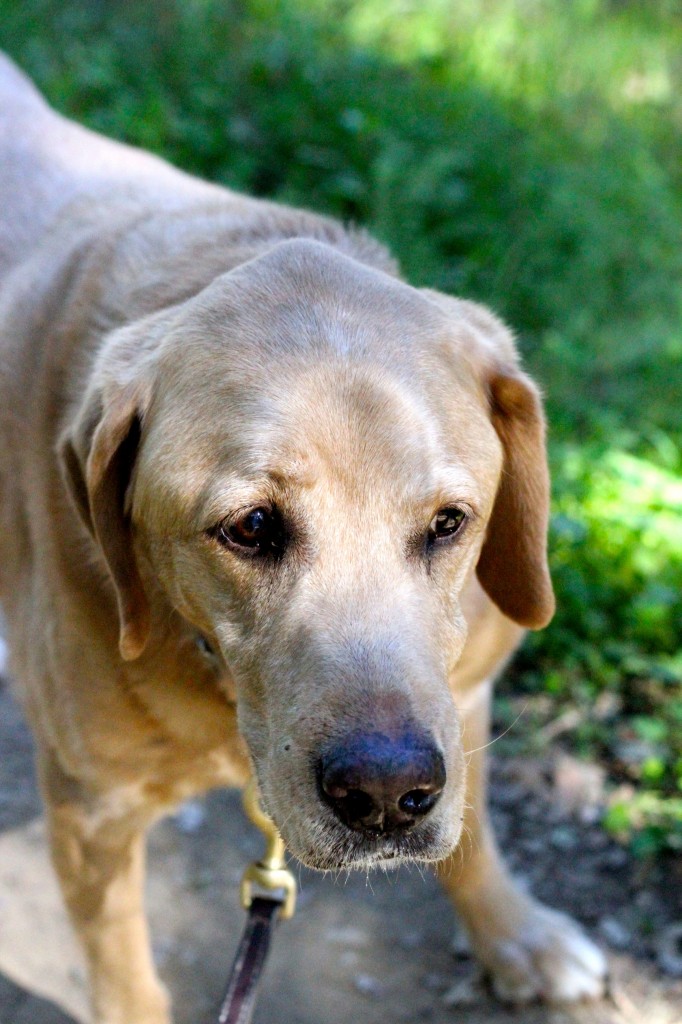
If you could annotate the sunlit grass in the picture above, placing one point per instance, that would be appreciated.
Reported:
(529, 52)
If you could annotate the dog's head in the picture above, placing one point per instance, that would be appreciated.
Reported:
(311, 459)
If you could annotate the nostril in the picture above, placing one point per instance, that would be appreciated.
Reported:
(352, 803)
(358, 805)
(418, 802)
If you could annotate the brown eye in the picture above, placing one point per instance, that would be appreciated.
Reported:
(259, 531)
(446, 523)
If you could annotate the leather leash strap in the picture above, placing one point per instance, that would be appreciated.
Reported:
(269, 874)
(240, 998)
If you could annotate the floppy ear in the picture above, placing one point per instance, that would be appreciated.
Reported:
(98, 454)
(512, 566)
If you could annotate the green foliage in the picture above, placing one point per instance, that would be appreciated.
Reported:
(616, 543)
(524, 154)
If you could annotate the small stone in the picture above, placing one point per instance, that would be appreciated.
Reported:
(190, 817)
(460, 945)
(616, 934)
(425, 1013)
(578, 784)
(645, 901)
(434, 982)
(348, 936)
(367, 985)
(669, 950)
(590, 814)
(563, 838)
(465, 992)
(596, 840)
(509, 794)
(633, 752)
(411, 940)
(615, 858)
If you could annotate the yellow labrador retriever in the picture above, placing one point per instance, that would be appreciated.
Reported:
(264, 507)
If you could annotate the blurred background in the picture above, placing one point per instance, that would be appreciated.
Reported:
(524, 153)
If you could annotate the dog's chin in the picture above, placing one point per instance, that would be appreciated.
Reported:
(338, 848)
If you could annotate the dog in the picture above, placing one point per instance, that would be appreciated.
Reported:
(267, 508)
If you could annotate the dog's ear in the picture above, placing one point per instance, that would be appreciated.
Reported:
(512, 566)
(98, 454)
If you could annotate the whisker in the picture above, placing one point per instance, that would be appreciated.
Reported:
(501, 736)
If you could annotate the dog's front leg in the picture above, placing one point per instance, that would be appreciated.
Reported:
(529, 951)
(98, 849)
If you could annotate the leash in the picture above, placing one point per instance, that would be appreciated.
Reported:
(271, 875)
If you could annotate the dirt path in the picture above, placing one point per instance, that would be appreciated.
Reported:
(375, 950)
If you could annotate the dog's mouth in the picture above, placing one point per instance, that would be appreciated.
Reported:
(324, 843)
(338, 848)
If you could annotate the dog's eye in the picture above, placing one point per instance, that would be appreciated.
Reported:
(258, 531)
(446, 523)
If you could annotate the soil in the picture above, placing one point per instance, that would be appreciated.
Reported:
(375, 949)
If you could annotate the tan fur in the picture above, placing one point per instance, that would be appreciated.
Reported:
(171, 353)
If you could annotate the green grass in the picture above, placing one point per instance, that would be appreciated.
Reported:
(528, 155)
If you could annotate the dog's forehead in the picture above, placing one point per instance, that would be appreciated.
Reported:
(306, 367)
(356, 426)
(303, 296)
(259, 327)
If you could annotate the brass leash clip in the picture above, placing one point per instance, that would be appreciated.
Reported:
(271, 872)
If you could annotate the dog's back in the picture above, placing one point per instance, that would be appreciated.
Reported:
(47, 161)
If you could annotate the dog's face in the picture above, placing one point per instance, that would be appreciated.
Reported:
(307, 459)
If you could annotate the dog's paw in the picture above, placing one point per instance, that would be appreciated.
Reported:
(544, 955)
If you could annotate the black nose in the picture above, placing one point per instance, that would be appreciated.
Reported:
(378, 784)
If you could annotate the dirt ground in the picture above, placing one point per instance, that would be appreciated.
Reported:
(376, 950)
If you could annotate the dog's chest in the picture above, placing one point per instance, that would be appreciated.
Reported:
(186, 707)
